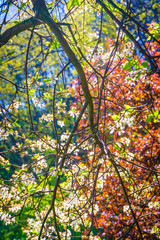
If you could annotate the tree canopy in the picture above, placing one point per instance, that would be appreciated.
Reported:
(80, 114)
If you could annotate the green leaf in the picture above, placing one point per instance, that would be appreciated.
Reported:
(47, 96)
(127, 106)
(16, 21)
(10, 53)
(50, 5)
(60, 173)
(55, 44)
(31, 92)
(115, 117)
(145, 64)
(156, 113)
(30, 186)
(126, 37)
(72, 3)
(16, 124)
(127, 66)
(47, 79)
(149, 119)
(117, 147)
(22, 5)
(139, 74)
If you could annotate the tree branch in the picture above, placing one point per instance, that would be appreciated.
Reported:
(52, 207)
(152, 62)
(133, 20)
(18, 28)
(43, 14)
(21, 27)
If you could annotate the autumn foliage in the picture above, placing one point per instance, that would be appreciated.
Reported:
(126, 102)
